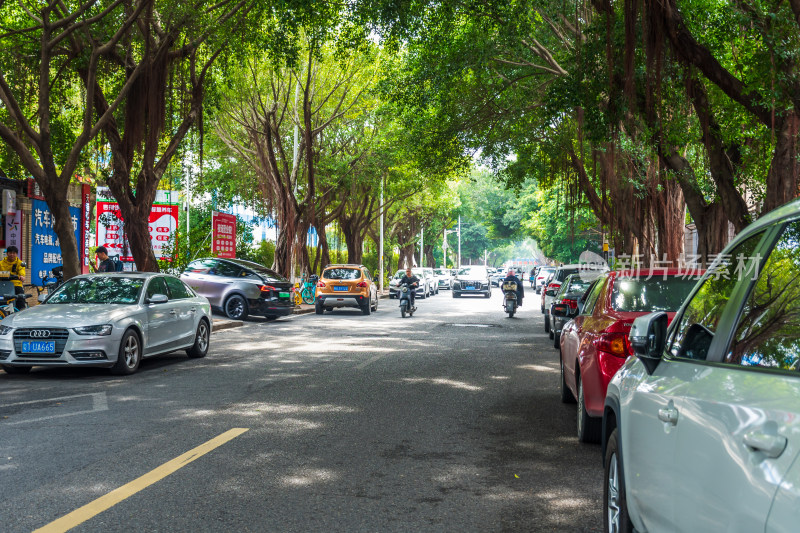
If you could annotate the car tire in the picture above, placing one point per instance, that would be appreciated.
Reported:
(488, 294)
(547, 324)
(557, 340)
(615, 511)
(16, 369)
(201, 341)
(375, 307)
(566, 394)
(589, 427)
(318, 308)
(235, 307)
(367, 309)
(129, 356)
(552, 334)
(456, 295)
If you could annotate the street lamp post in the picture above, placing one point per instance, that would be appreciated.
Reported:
(459, 241)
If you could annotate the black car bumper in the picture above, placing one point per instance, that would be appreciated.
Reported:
(265, 307)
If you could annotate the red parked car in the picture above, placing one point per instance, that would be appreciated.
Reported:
(594, 344)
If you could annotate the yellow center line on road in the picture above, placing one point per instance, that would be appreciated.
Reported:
(78, 516)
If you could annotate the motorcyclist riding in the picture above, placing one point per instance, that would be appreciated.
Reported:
(413, 283)
(511, 276)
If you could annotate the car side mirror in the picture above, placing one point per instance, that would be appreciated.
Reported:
(648, 338)
(560, 310)
(158, 299)
(550, 292)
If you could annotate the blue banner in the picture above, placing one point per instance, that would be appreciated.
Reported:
(45, 246)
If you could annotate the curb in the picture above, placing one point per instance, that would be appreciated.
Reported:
(219, 325)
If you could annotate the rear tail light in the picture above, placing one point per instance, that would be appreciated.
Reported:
(573, 304)
(614, 343)
(554, 286)
(362, 284)
(321, 284)
(266, 288)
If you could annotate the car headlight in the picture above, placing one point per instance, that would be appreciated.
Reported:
(104, 329)
(5, 330)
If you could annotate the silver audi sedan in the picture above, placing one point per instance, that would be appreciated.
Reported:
(108, 320)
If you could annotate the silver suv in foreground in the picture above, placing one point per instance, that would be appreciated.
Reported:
(701, 430)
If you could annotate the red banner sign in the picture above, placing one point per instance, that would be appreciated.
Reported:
(163, 222)
(223, 235)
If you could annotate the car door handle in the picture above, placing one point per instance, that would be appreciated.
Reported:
(172, 312)
(668, 416)
(771, 445)
(193, 309)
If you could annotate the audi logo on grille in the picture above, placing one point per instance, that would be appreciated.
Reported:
(39, 333)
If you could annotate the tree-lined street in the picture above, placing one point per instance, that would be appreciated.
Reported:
(448, 421)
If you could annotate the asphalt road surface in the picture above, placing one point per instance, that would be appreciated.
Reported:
(446, 421)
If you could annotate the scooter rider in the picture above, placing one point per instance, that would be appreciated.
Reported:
(511, 276)
(413, 282)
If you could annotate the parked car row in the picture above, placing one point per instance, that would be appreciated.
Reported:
(691, 385)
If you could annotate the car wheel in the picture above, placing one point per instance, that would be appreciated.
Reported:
(375, 307)
(566, 394)
(366, 309)
(557, 340)
(318, 308)
(588, 426)
(488, 294)
(129, 356)
(201, 338)
(16, 369)
(547, 323)
(552, 334)
(615, 511)
(236, 307)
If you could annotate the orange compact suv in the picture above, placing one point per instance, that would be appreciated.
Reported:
(346, 286)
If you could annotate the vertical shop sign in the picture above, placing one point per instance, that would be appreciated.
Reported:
(86, 227)
(223, 235)
(14, 231)
(45, 246)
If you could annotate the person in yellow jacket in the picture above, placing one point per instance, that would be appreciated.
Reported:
(16, 272)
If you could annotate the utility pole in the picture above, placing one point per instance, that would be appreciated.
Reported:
(380, 253)
(421, 245)
(459, 241)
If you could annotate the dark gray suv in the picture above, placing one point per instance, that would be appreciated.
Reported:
(239, 288)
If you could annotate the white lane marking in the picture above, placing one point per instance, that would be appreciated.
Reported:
(99, 403)
(370, 361)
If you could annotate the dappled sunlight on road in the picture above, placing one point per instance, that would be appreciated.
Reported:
(308, 476)
(539, 368)
(461, 385)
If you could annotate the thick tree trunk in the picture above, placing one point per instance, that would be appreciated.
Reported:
(669, 215)
(782, 178)
(56, 199)
(406, 257)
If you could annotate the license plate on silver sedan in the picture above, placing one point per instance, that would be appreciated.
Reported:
(38, 347)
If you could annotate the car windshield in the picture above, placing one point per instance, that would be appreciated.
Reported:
(578, 284)
(479, 272)
(98, 290)
(342, 273)
(399, 274)
(649, 295)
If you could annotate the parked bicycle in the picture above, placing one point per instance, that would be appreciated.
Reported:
(305, 291)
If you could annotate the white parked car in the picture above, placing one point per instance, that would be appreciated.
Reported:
(701, 430)
(108, 320)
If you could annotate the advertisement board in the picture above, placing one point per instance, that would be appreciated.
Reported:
(163, 221)
(45, 246)
(223, 235)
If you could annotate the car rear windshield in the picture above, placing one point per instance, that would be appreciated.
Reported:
(649, 295)
(342, 273)
(578, 284)
(562, 274)
(266, 273)
(99, 290)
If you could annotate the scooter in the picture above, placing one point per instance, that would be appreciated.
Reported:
(48, 287)
(510, 297)
(405, 300)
